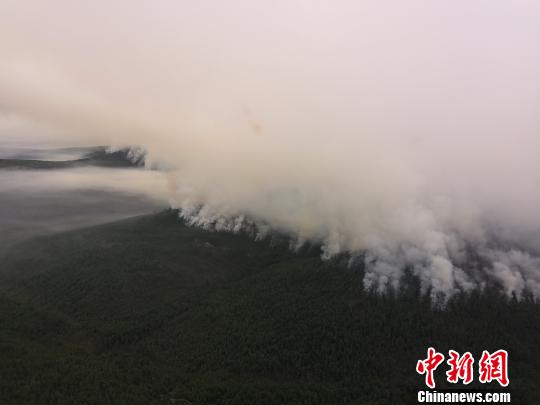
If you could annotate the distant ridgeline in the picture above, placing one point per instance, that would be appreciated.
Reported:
(98, 156)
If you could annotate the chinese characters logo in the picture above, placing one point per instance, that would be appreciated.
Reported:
(491, 367)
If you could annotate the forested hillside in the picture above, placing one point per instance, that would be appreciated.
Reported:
(97, 157)
(149, 311)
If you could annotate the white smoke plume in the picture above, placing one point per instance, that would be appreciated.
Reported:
(405, 130)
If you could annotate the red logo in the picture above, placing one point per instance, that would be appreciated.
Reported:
(492, 367)
(429, 365)
(461, 368)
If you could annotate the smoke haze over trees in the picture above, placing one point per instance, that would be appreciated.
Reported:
(408, 131)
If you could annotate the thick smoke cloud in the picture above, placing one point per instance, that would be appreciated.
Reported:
(405, 130)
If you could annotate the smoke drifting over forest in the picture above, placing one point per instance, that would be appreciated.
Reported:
(405, 130)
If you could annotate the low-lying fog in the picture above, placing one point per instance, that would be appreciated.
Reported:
(35, 202)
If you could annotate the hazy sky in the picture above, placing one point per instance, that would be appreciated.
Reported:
(407, 128)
